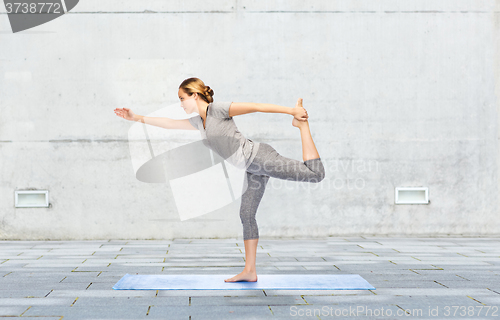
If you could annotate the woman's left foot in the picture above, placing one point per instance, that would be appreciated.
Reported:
(244, 276)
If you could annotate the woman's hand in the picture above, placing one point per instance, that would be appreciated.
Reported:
(125, 113)
(299, 112)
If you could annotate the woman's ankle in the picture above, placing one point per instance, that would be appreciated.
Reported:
(249, 269)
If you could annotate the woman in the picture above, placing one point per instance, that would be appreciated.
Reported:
(260, 159)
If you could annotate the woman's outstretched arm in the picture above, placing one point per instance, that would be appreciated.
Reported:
(238, 108)
(166, 123)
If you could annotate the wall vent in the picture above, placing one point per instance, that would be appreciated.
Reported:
(412, 195)
(31, 198)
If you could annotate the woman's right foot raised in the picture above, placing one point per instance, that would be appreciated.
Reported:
(298, 123)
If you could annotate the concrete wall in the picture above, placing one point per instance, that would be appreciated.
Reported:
(399, 93)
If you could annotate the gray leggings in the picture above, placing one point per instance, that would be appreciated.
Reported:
(269, 163)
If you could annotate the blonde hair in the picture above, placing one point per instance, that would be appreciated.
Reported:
(192, 85)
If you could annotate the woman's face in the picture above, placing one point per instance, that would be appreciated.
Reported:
(188, 103)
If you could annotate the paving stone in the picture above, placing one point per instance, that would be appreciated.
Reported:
(37, 318)
(161, 300)
(452, 292)
(52, 273)
(98, 311)
(12, 310)
(213, 312)
(317, 292)
(349, 299)
(490, 300)
(35, 285)
(248, 301)
(23, 293)
(411, 301)
(466, 284)
(35, 301)
(330, 311)
(106, 285)
(102, 293)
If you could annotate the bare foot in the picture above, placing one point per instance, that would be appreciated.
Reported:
(244, 276)
(303, 114)
(299, 124)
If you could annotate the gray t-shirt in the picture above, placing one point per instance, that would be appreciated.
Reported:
(222, 136)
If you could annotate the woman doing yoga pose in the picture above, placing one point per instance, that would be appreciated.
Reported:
(261, 160)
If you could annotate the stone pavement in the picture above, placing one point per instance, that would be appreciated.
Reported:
(419, 278)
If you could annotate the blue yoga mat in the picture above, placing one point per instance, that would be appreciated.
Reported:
(264, 281)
